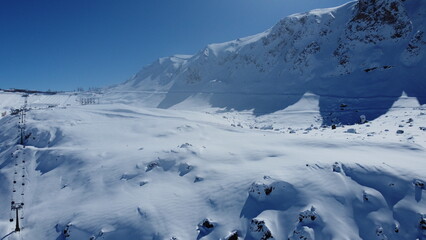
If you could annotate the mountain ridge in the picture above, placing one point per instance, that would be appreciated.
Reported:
(374, 47)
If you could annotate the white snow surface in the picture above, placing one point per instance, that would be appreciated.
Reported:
(117, 171)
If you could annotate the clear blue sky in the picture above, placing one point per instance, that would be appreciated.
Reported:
(65, 44)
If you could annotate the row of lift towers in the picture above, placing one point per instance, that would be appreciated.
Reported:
(17, 206)
(19, 166)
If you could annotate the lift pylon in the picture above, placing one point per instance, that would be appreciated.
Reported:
(16, 207)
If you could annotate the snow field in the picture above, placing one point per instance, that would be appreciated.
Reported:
(114, 171)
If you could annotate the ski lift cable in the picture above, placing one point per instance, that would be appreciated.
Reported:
(19, 161)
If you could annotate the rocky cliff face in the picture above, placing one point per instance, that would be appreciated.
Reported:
(376, 21)
(365, 53)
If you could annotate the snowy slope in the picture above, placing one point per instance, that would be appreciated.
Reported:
(13, 100)
(364, 55)
(9, 100)
(115, 171)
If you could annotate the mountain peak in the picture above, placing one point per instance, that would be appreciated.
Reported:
(365, 53)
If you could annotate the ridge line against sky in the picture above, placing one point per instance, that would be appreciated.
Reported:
(63, 45)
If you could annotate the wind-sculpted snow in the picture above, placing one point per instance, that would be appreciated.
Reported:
(362, 54)
(114, 171)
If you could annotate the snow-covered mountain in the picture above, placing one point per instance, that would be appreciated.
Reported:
(142, 162)
(364, 55)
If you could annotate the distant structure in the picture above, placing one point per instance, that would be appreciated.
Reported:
(16, 90)
(89, 101)
(15, 111)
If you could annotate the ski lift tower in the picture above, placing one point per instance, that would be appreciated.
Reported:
(16, 207)
(23, 111)
(22, 124)
(26, 100)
